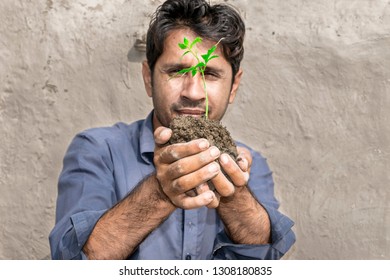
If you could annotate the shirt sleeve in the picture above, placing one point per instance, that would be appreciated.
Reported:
(282, 237)
(85, 192)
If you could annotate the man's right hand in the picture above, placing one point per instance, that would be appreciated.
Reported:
(183, 167)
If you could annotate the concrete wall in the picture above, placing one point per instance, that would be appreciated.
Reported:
(315, 96)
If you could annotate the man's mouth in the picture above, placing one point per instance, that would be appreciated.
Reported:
(194, 112)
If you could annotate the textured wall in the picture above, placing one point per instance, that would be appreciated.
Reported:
(315, 100)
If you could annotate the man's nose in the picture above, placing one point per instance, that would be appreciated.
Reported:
(193, 87)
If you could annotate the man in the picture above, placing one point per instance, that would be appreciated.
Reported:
(122, 191)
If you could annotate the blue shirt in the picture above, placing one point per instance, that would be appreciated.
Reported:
(102, 165)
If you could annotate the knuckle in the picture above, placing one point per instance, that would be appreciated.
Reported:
(176, 187)
(172, 152)
(230, 191)
(204, 158)
(159, 175)
(242, 180)
(185, 182)
(164, 155)
(212, 205)
(156, 157)
(164, 152)
(175, 170)
(227, 190)
(177, 203)
(178, 169)
(241, 184)
(185, 205)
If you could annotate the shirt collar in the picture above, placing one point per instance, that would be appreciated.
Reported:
(147, 139)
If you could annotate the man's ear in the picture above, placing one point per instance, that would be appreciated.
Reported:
(236, 83)
(147, 76)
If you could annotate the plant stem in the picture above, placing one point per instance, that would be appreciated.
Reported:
(206, 114)
(201, 70)
(187, 46)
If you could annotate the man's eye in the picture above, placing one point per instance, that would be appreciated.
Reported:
(211, 75)
(174, 72)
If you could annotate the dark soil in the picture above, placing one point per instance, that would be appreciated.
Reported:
(187, 128)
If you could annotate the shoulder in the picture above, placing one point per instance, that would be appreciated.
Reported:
(102, 143)
(117, 132)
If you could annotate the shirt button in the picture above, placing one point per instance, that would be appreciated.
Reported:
(188, 257)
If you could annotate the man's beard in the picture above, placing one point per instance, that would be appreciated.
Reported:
(185, 103)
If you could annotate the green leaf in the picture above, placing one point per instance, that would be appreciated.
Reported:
(212, 49)
(214, 56)
(182, 46)
(184, 54)
(205, 57)
(200, 65)
(196, 40)
(194, 71)
(185, 70)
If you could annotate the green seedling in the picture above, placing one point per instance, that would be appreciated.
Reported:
(202, 61)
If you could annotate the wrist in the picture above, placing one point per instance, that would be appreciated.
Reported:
(161, 195)
(239, 193)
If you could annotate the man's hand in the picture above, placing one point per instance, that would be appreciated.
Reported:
(237, 171)
(245, 219)
(186, 166)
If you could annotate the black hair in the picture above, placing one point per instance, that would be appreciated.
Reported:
(210, 22)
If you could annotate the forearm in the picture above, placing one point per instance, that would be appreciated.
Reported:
(121, 229)
(246, 221)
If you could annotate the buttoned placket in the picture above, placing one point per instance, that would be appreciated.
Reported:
(190, 233)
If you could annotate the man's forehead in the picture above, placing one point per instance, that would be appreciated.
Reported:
(177, 36)
(172, 55)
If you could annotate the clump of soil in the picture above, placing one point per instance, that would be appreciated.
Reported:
(187, 128)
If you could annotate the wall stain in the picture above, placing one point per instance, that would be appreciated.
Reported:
(49, 5)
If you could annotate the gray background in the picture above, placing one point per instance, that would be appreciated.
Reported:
(314, 101)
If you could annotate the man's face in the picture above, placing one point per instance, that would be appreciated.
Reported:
(175, 94)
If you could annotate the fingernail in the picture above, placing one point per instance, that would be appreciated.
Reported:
(214, 152)
(213, 168)
(164, 133)
(224, 158)
(210, 196)
(203, 144)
